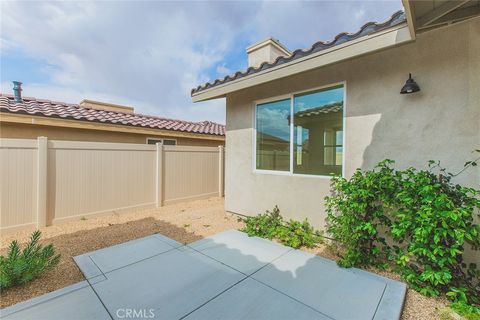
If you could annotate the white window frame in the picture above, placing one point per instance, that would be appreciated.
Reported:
(292, 125)
(161, 139)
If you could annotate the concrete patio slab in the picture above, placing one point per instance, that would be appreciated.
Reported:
(77, 301)
(239, 251)
(250, 300)
(105, 260)
(321, 284)
(172, 284)
(87, 266)
(227, 276)
(391, 305)
(168, 240)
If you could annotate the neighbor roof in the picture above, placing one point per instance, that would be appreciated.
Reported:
(329, 108)
(367, 29)
(47, 108)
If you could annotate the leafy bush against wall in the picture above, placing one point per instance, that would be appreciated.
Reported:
(428, 220)
(291, 233)
(21, 266)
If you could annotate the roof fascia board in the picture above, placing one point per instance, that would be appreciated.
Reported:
(78, 124)
(410, 16)
(397, 35)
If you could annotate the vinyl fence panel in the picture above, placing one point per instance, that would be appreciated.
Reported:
(46, 182)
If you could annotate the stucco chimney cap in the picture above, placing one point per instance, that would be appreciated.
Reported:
(269, 41)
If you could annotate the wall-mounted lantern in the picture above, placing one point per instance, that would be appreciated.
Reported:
(410, 86)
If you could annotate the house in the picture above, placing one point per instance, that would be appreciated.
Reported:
(345, 99)
(29, 118)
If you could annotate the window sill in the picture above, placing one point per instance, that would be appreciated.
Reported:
(290, 174)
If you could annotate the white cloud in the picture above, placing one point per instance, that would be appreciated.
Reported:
(150, 54)
(222, 70)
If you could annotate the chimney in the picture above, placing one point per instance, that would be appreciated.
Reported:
(266, 51)
(17, 91)
(106, 106)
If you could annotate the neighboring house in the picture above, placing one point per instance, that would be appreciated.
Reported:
(348, 113)
(99, 122)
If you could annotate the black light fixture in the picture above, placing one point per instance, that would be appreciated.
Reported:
(410, 86)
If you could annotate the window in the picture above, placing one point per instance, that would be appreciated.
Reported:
(165, 142)
(273, 135)
(310, 124)
(168, 142)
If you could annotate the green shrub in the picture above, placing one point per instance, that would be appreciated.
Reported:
(22, 266)
(293, 233)
(427, 219)
(264, 225)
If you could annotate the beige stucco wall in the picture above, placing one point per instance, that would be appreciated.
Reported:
(442, 122)
(266, 53)
(29, 131)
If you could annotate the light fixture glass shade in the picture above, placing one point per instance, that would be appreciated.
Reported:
(410, 86)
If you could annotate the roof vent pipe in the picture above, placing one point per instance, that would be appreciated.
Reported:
(17, 91)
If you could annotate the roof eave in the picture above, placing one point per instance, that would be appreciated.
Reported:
(397, 35)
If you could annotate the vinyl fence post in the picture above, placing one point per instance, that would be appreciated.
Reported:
(221, 171)
(42, 165)
(159, 172)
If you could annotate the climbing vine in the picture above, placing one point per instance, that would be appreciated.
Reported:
(416, 221)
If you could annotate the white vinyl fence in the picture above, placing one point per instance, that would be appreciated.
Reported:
(43, 182)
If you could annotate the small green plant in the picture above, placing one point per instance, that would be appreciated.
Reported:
(21, 266)
(298, 234)
(83, 218)
(468, 311)
(270, 225)
(264, 225)
(428, 220)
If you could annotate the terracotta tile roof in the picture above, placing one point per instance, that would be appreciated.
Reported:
(367, 29)
(329, 108)
(47, 108)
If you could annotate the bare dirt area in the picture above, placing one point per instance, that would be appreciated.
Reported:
(184, 222)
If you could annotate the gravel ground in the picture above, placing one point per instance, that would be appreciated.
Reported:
(184, 222)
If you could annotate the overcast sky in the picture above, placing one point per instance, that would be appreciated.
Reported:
(150, 54)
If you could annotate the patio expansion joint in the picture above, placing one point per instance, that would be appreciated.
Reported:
(380, 300)
(249, 276)
(95, 264)
(138, 261)
(281, 292)
(217, 295)
(101, 301)
(223, 263)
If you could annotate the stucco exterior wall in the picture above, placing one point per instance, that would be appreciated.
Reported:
(31, 131)
(441, 122)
